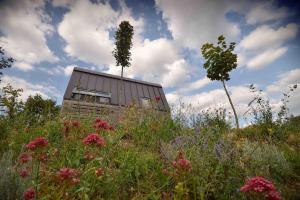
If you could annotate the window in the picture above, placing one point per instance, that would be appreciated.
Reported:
(102, 100)
(91, 96)
(146, 102)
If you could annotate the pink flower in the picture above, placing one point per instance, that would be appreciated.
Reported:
(95, 139)
(99, 171)
(29, 194)
(261, 185)
(24, 173)
(37, 142)
(67, 173)
(98, 124)
(157, 98)
(181, 163)
(24, 158)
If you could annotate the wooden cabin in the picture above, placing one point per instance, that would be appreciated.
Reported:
(95, 93)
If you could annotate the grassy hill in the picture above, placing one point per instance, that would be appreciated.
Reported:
(147, 155)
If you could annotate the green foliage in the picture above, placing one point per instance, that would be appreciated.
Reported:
(39, 110)
(11, 186)
(123, 44)
(137, 159)
(5, 62)
(10, 101)
(220, 59)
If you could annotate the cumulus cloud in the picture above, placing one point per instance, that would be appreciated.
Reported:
(265, 36)
(25, 25)
(93, 23)
(240, 95)
(156, 61)
(202, 21)
(45, 90)
(265, 12)
(264, 45)
(266, 58)
(286, 79)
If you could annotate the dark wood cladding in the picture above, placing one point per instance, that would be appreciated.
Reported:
(133, 91)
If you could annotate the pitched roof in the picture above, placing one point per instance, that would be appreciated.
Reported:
(134, 90)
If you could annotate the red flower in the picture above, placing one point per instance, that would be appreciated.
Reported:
(76, 123)
(181, 163)
(24, 173)
(98, 124)
(94, 138)
(67, 173)
(157, 98)
(99, 171)
(29, 194)
(37, 142)
(261, 185)
(24, 158)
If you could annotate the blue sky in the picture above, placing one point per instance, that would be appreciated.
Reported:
(48, 38)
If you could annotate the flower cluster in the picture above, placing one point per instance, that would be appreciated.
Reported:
(24, 158)
(100, 124)
(95, 139)
(157, 98)
(180, 163)
(70, 123)
(68, 174)
(99, 171)
(261, 186)
(37, 142)
(29, 194)
(24, 173)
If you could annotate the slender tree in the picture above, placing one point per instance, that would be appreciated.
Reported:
(220, 60)
(5, 62)
(123, 42)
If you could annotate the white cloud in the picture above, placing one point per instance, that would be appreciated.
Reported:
(195, 85)
(264, 45)
(240, 95)
(156, 61)
(265, 36)
(92, 23)
(25, 25)
(286, 79)
(45, 90)
(68, 70)
(194, 22)
(266, 58)
(265, 12)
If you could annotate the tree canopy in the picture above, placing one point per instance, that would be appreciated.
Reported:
(123, 44)
(5, 62)
(220, 59)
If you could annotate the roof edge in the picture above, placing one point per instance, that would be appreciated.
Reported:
(114, 76)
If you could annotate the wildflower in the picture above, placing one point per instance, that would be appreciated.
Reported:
(24, 158)
(43, 157)
(99, 171)
(29, 194)
(37, 142)
(76, 123)
(98, 124)
(24, 173)
(157, 98)
(67, 173)
(88, 156)
(93, 138)
(181, 163)
(262, 186)
(75, 181)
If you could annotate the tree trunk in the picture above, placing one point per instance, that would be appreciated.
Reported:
(234, 112)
